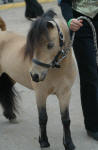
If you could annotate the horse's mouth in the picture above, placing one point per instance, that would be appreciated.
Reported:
(37, 78)
(34, 77)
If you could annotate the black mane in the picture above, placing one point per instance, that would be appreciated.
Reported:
(38, 29)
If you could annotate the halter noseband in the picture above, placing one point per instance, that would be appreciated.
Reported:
(62, 53)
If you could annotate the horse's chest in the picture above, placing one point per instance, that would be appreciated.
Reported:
(51, 90)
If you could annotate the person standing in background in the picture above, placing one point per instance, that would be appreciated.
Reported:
(7, 1)
(86, 56)
(33, 9)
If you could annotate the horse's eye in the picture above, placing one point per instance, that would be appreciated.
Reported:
(50, 45)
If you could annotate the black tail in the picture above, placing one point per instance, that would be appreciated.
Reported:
(33, 9)
(7, 97)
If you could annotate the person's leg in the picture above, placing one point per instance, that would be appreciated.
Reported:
(10, 1)
(86, 60)
(36, 9)
(33, 9)
(27, 11)
(4, 1)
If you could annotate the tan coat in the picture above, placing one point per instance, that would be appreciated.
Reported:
(58, 81)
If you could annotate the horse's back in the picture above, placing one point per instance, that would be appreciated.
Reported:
(8, 36)
(10, 41)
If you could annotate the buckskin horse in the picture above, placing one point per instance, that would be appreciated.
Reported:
(43, 62)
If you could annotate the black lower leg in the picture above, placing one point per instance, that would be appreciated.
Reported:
(7, 97)
(67, 140)
(43, 139)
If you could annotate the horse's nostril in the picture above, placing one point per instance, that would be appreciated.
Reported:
(35, 77)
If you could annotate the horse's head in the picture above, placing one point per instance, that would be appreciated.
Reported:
(48, 36)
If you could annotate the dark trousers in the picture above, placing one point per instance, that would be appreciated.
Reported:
(86, 60)
(6, 1)
(33, 9)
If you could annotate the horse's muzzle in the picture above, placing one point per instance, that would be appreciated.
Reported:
(36, 78)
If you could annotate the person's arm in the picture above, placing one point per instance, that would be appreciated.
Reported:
(66, 9)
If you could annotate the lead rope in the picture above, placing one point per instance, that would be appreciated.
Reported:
(94, 35)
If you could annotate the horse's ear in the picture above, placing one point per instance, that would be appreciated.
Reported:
(50, 24)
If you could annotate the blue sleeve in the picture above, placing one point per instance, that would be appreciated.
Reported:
(66, 9)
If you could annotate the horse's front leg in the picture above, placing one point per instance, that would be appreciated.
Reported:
(43, 118)
(64, 109)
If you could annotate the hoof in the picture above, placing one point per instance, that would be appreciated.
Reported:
(44, 143)
(10, 116)
(70, 146)
(14, 121)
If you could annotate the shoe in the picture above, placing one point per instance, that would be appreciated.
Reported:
(94, 135)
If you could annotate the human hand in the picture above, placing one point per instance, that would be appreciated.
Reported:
(75, 24)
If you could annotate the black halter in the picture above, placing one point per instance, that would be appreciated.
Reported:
(54, 63)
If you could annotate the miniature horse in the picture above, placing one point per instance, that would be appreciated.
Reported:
(43, 62)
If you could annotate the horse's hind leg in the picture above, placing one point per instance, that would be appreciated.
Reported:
(64, 103)
(7, 97)
(41, 104)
